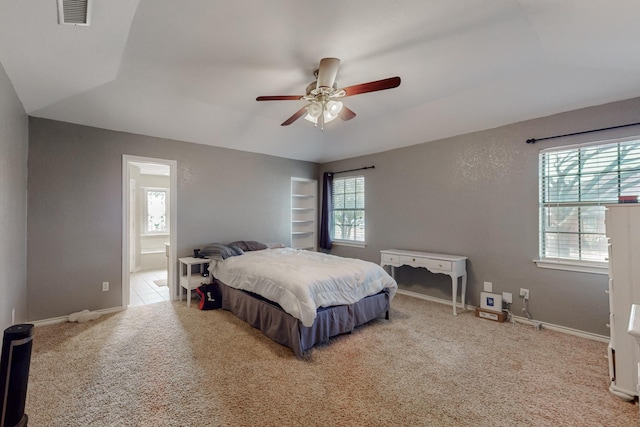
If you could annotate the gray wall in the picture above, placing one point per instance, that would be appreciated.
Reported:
(75, 207)
(477, 195)
(474, 195)
(13, 204)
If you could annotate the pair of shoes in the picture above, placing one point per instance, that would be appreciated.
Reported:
(83, 316)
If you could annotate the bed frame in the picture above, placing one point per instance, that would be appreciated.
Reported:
(285, 329)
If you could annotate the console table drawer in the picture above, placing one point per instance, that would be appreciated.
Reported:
(430, 264)
(436, 264)
(390, 259)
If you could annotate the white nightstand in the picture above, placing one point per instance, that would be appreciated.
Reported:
(190, 280)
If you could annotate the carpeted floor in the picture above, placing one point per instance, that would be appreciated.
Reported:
(167, 365)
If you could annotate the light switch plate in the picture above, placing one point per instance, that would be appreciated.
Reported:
(488, 287)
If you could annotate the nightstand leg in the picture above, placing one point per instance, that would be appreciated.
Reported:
(188, 297)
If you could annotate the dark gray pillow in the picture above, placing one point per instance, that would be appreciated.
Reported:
(240, 244)
(220, 251)
(248, 245)
(252, 245)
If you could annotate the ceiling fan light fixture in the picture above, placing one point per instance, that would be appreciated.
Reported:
(314, 111)
(328, 111)
(334, 107)
(331, 110)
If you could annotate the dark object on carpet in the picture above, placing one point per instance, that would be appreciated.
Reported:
(210, 296)
(14, 374)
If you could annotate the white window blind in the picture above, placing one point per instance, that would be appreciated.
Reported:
(348, 209)
(575, 184)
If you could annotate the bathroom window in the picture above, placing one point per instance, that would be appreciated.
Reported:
(156, 212)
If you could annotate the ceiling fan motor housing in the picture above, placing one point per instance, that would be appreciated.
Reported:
(313, 90)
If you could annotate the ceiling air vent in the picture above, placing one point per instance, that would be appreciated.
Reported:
(74, 12)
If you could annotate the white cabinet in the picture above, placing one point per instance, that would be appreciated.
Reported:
(623, 231)
(304, 208)
(634, 331)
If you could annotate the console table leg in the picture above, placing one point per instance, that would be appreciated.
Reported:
(454, 291)
(464, 289)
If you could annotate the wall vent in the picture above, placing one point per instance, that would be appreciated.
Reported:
(74, 12)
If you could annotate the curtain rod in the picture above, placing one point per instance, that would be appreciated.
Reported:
(534, 140)
(353, 170)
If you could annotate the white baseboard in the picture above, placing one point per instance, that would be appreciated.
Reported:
(523, 320)
(433, 299)
(563, 329)
(63, 319)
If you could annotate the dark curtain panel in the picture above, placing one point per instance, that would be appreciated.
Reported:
(325, 219)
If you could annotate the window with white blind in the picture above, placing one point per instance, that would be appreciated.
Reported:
(348, 223)
(575, 184)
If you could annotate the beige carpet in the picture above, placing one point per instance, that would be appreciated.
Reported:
(166, 365)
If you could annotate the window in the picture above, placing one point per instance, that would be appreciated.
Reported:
(575, 184)
(348, 209)
(156, 214)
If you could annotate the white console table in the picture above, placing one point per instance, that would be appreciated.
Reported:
(454, 266)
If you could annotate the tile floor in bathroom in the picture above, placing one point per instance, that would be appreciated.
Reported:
(144, 290)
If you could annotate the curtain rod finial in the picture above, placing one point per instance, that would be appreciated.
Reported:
(531, 141)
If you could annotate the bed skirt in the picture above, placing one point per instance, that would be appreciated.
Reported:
(285, 329)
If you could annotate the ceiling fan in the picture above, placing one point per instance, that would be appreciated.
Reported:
(324, 96)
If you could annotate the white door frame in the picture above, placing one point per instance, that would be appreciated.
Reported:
(173, 233)
(132, 225)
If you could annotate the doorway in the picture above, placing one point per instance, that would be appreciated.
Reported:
(149, 234)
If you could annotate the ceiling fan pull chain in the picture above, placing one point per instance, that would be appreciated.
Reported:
(321, 118)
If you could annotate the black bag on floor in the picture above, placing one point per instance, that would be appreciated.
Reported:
(210, 296)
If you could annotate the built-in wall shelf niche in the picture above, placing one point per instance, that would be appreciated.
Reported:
(304, 213)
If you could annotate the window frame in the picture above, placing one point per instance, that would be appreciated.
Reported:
(567, 264)
(145, 212)
(349, 242)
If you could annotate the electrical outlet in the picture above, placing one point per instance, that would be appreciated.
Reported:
(105, 286)
(524, 293)
(507, 297)
(488, 287)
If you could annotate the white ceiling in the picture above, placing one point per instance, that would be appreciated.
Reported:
(147, 168)
(191, 69)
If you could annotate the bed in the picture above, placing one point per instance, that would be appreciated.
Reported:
(299, 298)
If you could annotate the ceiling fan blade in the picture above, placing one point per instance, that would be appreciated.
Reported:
(346, 114)
(327, 72)
(383, 84)
(279, 98)
(301, 112)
